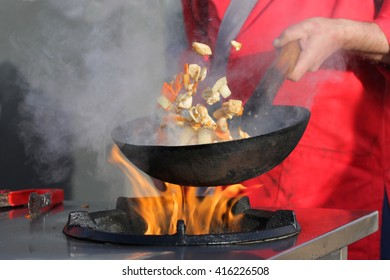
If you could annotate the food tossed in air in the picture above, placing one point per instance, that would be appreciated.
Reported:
(236, 45)
(185, 123)
(201, 49)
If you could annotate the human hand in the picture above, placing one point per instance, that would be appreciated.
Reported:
(318, 37)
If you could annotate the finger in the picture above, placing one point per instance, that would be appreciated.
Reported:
(292, 33)
(309, 61)
(296, 75)
(315, 66)
(304, 64)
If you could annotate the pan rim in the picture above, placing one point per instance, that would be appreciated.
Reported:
(119, 141)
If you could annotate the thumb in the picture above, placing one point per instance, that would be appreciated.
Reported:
(292, 33)
(277, 44)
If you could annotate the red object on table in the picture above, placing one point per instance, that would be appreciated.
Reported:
(21, 197)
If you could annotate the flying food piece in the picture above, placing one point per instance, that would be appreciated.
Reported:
(201, 49)
(185, 123)
(236, 45)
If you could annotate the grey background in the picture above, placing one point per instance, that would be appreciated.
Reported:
(94, 64)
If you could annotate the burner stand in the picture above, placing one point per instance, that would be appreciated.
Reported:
(121, 225)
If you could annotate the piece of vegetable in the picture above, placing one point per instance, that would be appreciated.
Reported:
(201, 49)
(189, 123)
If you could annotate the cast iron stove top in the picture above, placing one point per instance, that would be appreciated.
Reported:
(122, 226)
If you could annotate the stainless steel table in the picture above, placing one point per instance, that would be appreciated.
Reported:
(325, 234)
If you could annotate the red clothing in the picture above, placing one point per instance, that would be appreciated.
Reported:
(339, 161)
(383, 20)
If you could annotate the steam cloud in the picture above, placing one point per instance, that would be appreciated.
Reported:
(90, 65)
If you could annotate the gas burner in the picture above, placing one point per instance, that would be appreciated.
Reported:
(123, 226)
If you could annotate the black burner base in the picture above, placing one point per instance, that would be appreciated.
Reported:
(121, 226)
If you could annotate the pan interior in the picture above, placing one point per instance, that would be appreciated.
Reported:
(143, 131)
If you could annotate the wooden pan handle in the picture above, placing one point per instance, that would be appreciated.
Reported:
(261, 100)
(287, 58)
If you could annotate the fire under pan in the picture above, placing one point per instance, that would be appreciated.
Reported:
(123, 226)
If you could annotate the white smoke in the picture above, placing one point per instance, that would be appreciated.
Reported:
(90, 65)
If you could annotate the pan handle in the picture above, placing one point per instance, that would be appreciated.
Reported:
(287, 58)
(262, 98)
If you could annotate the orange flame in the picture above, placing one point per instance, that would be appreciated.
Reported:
(209, 213)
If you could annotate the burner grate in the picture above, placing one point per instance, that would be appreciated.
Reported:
(122, 226)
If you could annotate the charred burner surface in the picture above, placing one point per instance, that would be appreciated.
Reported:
(122, 225)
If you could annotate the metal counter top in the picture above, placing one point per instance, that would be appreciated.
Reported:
(325, 234)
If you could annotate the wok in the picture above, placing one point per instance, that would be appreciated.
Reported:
(274, 130)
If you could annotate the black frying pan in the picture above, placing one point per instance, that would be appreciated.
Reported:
(274, 130)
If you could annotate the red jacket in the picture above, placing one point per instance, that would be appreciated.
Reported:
(339, 163)
(383, 20)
